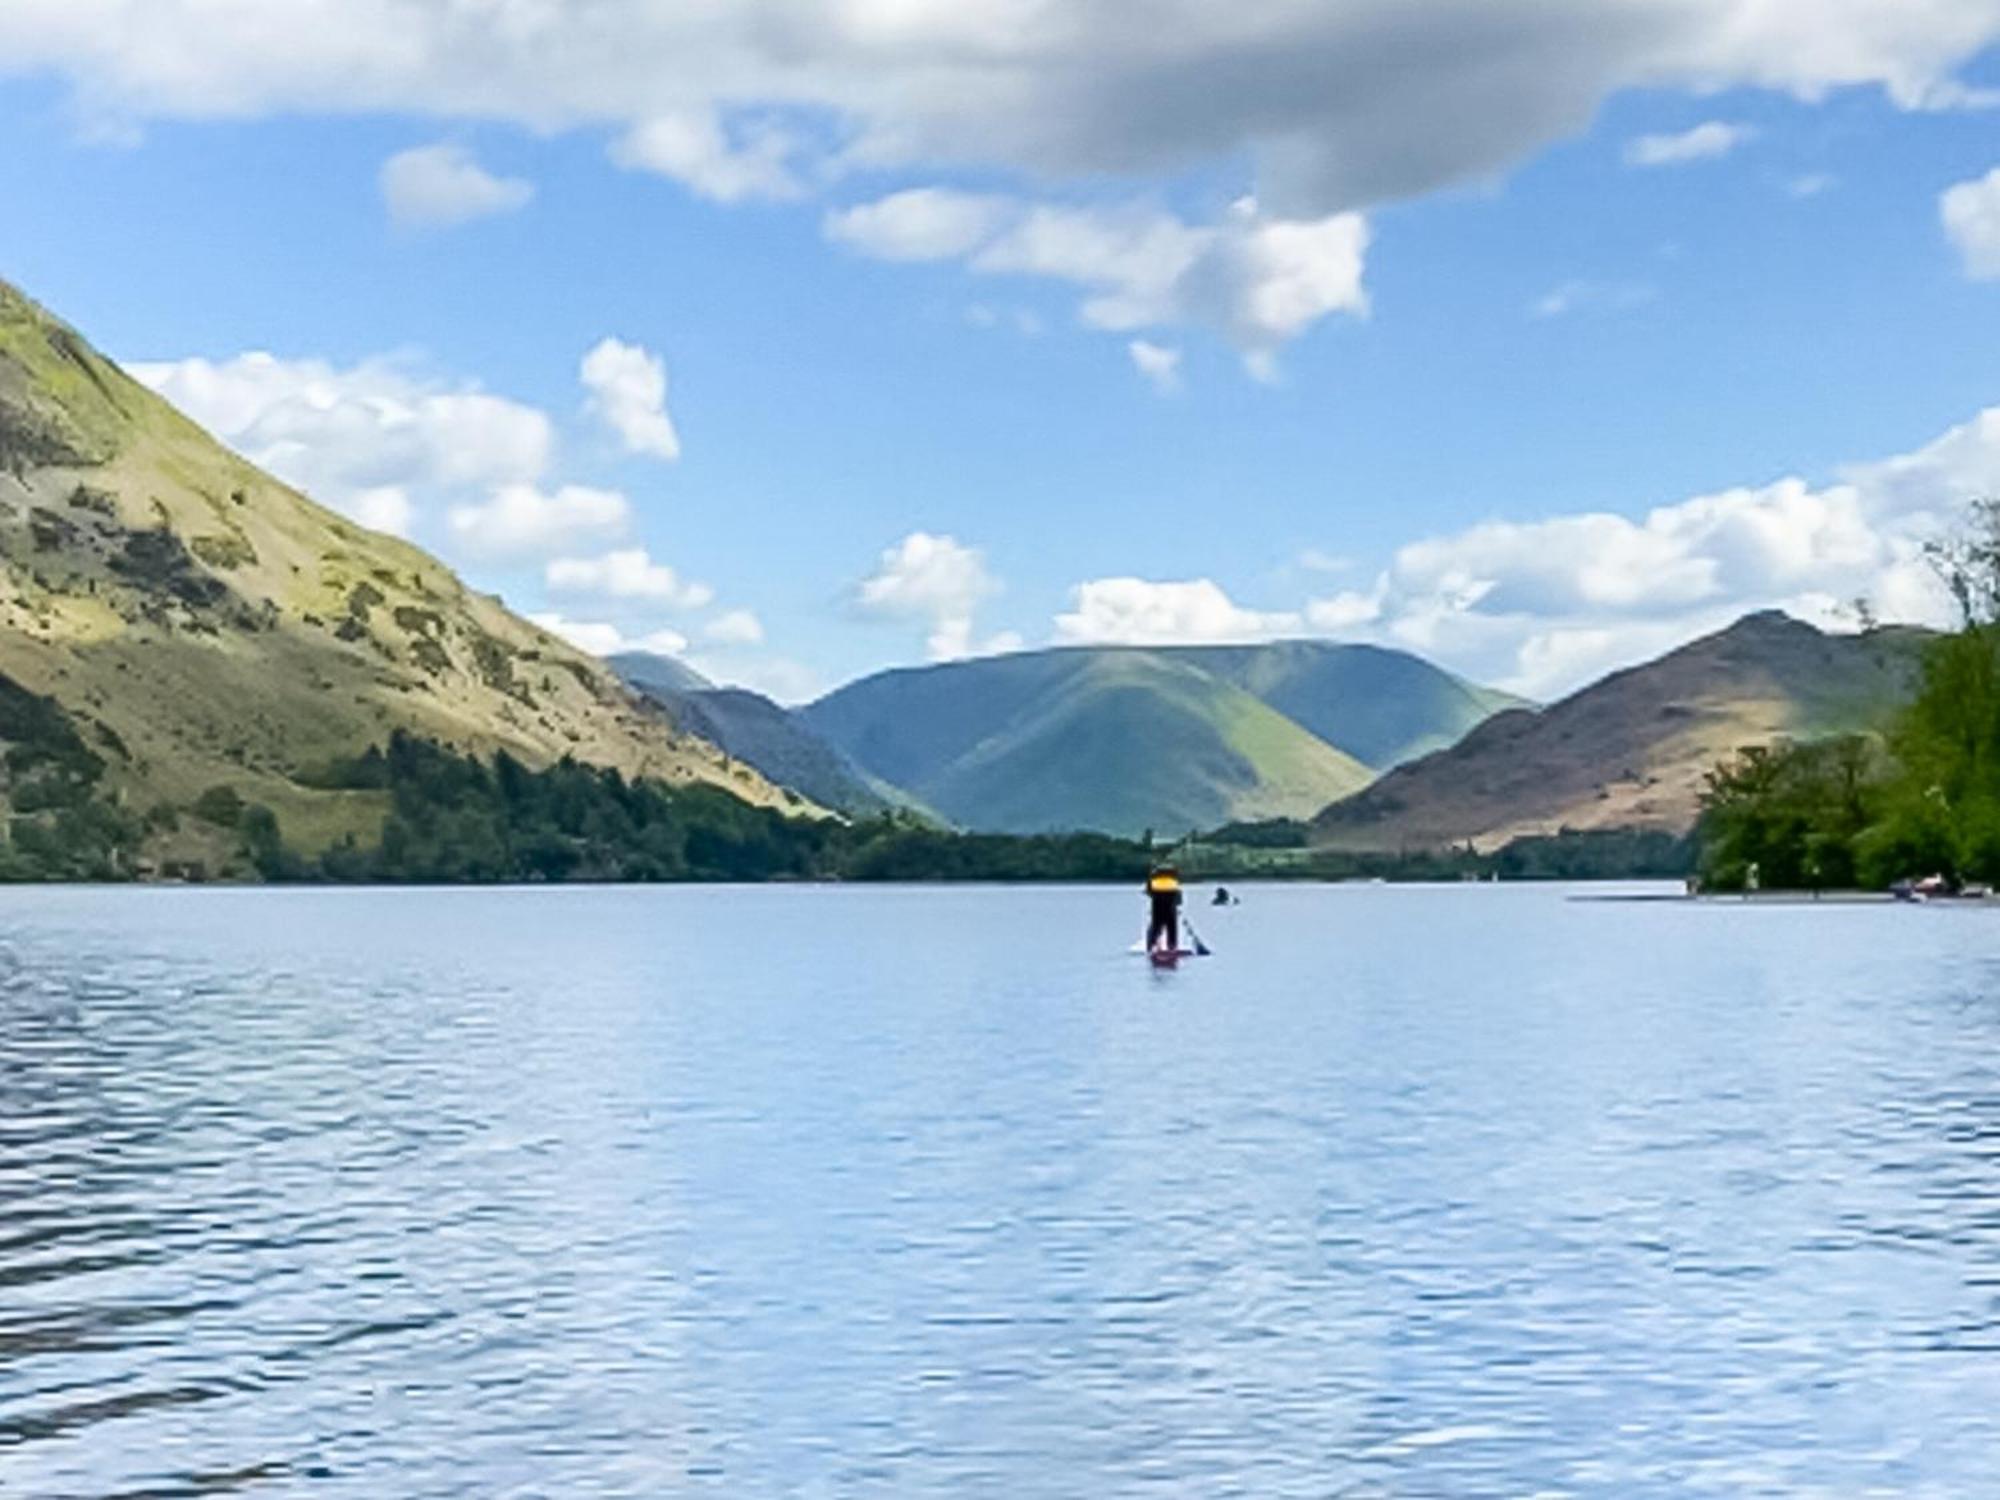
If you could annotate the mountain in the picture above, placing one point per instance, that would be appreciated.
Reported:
(1123, 739)
(656, 675)
(198, 625)
(774, 740)
(1632, 750)
(1382, 707)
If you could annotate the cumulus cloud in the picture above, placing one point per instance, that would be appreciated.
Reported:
(628, 392)
(1160, 365)
(1540, 606)
(940, 581)
(1971, 214)
(597, 638)
(385, 508)
(1336, 106)
(693, 147)
(629, 573)
(921, 224)
(523, 521)
(443, 184)
(735, 627)
(1256, 280)
(1139, 612)
(364, 439)
(1707, 141)
(777, 677)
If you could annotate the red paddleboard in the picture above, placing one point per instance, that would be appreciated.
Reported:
(1167, 958)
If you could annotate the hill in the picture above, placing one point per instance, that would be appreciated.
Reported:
(1123, 739)
(655, 675)
(1382, 707)
(772, 739)
(198, 625)
(1632, 751)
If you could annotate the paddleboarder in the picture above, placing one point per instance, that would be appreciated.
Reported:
(1163, 926)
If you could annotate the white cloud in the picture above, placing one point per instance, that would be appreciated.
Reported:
(776, 677)
(1708, 141)
(443, 184)
(1336, 106)
(385, 508)
(1811, 184)
(939, 580)
(921, 224)
(628, 391)
(1139, 612)
(521, 520)
(629, 573)
(1256, 280)
(735, 627)
(1593, 296)
(1541, 606)
(1160, 365)
(1347, 610)
(600, 639)
(1023, 320)
(366, 439)
(1971, 214)
(694, 147)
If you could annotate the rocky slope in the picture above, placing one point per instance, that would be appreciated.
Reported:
(1632, 750)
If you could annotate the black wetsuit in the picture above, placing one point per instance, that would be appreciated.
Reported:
(1166, 919)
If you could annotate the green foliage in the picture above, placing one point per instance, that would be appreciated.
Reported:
(58, 825)
(1268, 833)
(891, 850)
(453, 818)
(220, 805)
(1789, 816)
(1597, 854)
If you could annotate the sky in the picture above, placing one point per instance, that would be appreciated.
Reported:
(804, 339)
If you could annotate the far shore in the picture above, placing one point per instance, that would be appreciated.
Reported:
(1790, 898)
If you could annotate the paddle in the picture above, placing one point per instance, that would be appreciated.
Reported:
(1200, 948)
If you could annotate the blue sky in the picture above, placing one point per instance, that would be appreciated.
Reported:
(1534, 396)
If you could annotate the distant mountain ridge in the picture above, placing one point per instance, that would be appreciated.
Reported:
(205, 626)
(1633, 750)
(759, 732)
(1122, 739)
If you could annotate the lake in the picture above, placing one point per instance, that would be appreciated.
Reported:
(1473, 1191)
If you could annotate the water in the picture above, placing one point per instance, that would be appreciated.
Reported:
(745, 1192)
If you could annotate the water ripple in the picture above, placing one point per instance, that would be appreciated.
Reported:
(833, 1193)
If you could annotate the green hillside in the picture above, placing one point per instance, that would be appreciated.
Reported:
(1382, 707)
(1634, 750)
(203, 627)
(1122, 739)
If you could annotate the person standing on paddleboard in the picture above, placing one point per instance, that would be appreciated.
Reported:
(1163, 928)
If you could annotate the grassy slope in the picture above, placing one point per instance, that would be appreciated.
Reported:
(221, 628)
(1382, 707)
(1632, 750)
(1118, 741)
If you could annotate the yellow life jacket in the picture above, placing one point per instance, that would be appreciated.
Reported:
(1160, 885)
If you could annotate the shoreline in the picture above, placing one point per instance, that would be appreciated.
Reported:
(1789, 898)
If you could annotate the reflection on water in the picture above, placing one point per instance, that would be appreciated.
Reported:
(887, 1192)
